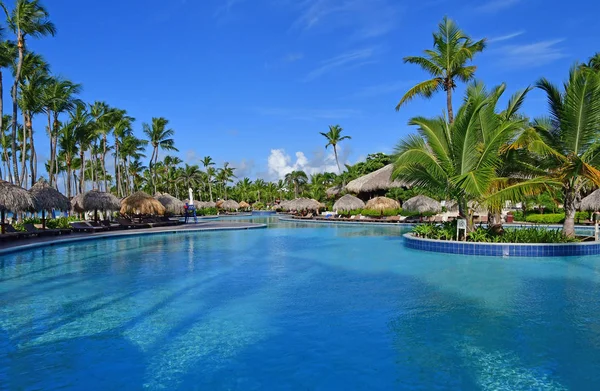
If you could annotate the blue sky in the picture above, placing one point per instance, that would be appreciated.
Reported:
(253, 82)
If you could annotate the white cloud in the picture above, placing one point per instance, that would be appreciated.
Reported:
(293, 57)
(280, 163)
(226, 8)
(364, 19)
(532, 55)
(243, 168)
(496, 5)
(505, 37)
(351, 59)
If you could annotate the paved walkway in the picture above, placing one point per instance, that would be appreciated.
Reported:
(27, 244)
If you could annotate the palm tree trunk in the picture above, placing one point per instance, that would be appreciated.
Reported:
(68, 179)
(117, 174)
(50, 133)
(21, 48)
(23, 150)
(82, 171)
(449, 104)
(155, 154)
(33, 154)
(2, 111)
(210, 190)
(569, 204)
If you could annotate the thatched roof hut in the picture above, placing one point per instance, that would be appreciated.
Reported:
(219, 203)
(422, 204)
(172, 205)
(348, 203)
(95, 200)
(591, 202)
(230, 205)
(334, 191)
(46, 197)
(382, 203)
(375, 181)
(244, 205)
(13, 198)
(283, 205)
(142, 203)
(303, 204)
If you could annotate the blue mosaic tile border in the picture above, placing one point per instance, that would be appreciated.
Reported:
(502, 249)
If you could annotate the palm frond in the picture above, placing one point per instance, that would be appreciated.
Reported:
(426, 88)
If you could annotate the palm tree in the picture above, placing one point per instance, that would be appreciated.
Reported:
(67, 141)
(296, 179)
(190, 176)
(224, 176)
(5, 144)
(452, 48)
(59, 97)
(8, 52)
(121, 130)
(132, 148)
(160, 138)
(334, 136)
(207, 162)
(461, 159)
(28, 18)
(84, 134)
(568, 142)
(170, 163)
(104, 120)
(244, 187)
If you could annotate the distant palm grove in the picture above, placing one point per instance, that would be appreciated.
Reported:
(481, 153)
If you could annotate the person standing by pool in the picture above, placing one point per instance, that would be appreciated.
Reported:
(185, 211)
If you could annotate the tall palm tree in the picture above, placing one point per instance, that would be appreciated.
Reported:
(28, 18)
(296, 179)
(67, 142)
(461, 159)
(121, 130)
(60, 97)
(452, 49)
(104, 119)
(8, 52)
(334, 136)
(84, 134)
(569, 140)
(207, 162)
(171, 162)
(224, 176)
(132, 149)
(190, 176)
(5, 145)
(160, 138)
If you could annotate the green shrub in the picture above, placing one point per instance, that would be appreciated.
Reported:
(549, 218)
(378, 213)
(61, 222)
(447, 231)
(207, 212)
(32, 220)
(258, 206)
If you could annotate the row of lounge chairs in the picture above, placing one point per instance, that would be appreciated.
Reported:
(30, 231)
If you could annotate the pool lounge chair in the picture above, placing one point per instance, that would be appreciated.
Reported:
(10, 229)
(82, 226)
(111, 226)
(41, 232)
(127, 224)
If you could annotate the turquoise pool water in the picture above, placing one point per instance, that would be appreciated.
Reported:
(294, 307)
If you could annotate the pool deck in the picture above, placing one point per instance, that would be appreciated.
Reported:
(37, 242)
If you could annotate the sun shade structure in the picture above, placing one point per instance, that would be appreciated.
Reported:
(172, 205)
(142, 203)
(45, 197)
(375, 181)
(219, 203)
(303, 204)
(348, 203)
(244, 205)
(591, 202)
(95, 200)
(14, 199)
(382, 203)
(230, 205)
(422, 204)
(334, 191)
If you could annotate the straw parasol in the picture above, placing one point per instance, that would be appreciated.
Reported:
(348, 203)
(230, 205)
(219, 203)
(591, 202)
(142, 203)
(303, 204)
(172, 205)
(334, 191)
(422, 204)
(45, 197)
(13, 198)
(377, 180)
(244, 205)
(382, 203)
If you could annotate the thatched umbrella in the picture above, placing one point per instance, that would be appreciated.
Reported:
(244, 205)
(219, 203)
(377, 180)
(142, 203)
(45, 197)
(303, 204)
(422, 204)
(334, 191)
(95, 200)
(348, 203)
(13, 198)
(382, 204)
(209, 204)
(591, 202)
(230, 205)
(172, 205)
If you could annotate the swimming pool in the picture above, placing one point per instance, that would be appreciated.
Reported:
(296, 307)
